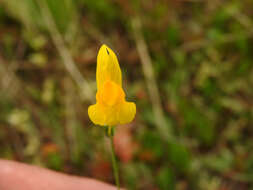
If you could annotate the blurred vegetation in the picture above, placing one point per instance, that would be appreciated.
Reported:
(201, 52)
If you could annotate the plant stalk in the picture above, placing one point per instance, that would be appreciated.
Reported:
(113, 156)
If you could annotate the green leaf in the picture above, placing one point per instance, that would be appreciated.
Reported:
(166, 179)
(179, 156)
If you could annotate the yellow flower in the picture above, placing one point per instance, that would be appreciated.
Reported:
(111, 107)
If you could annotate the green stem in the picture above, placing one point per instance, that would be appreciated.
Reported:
(114, 162)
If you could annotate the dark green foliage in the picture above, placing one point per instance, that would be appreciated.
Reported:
(166, 179)
(179, 157)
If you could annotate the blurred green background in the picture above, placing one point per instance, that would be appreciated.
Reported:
(187, 64)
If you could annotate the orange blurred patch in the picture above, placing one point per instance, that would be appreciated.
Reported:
(100, 167)
(146, 155)
(124, 144)
(141, 94)
(49, 148)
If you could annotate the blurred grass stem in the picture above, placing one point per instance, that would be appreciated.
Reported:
(64, 52)
(150, 80)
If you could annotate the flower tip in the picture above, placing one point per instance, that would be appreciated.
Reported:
(105, 49)
(104, 46)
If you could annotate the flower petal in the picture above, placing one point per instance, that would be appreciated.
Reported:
(107, 67)
(96, 114)
(111, 116)
(126, 112)
(103, 115)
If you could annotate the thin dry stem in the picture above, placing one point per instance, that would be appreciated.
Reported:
(150, 79)
(64, 52)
